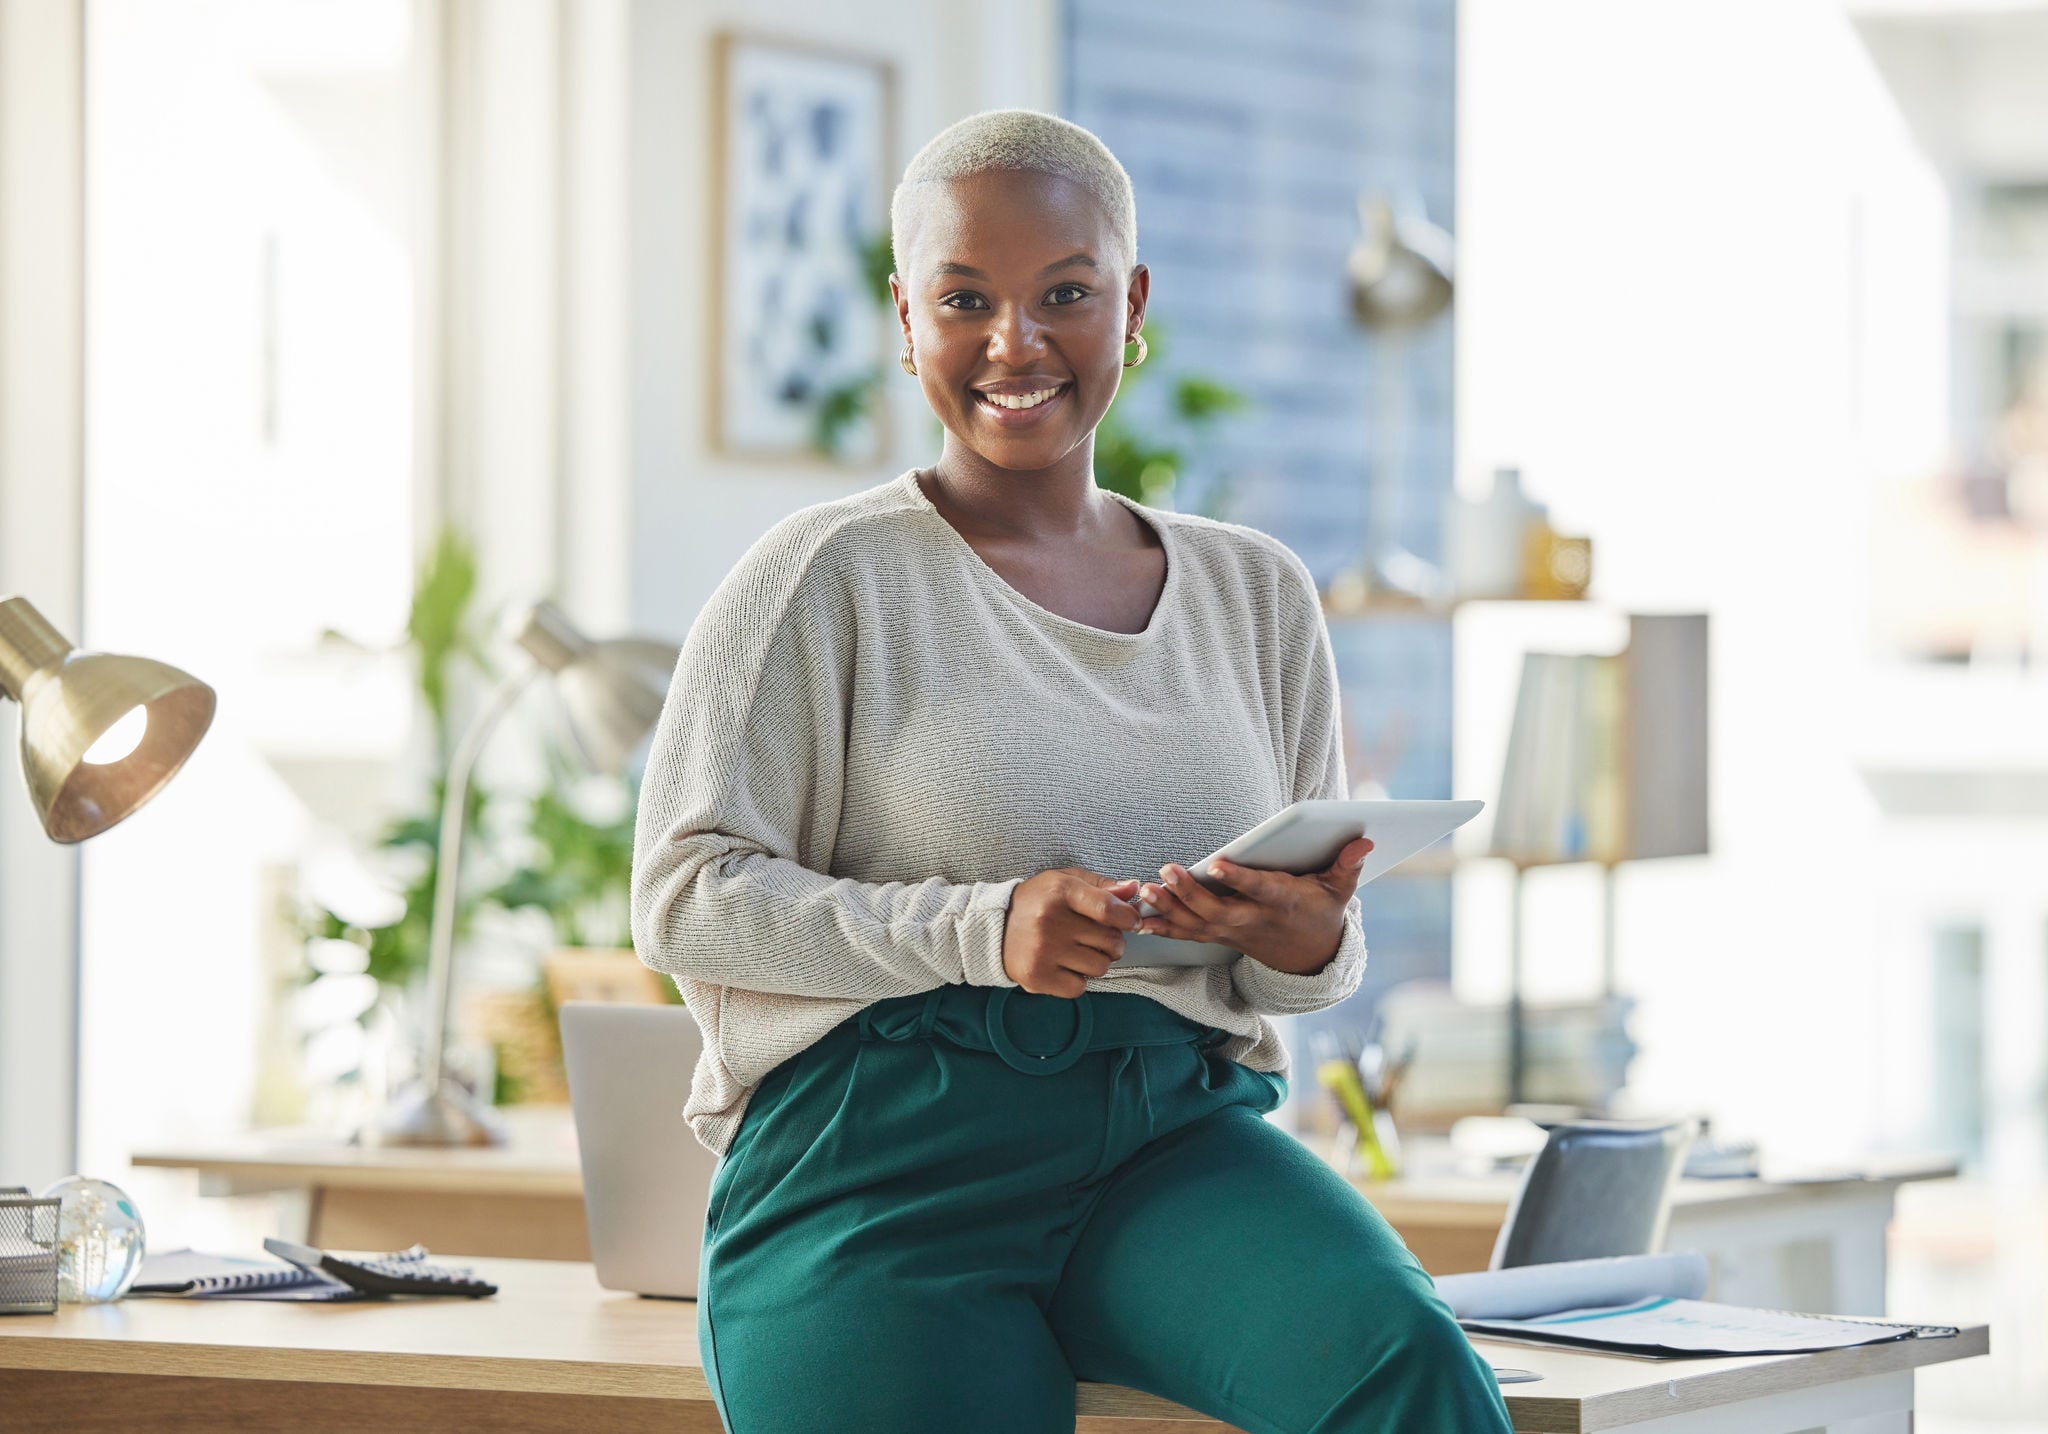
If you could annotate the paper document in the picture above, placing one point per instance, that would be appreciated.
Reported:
(1646, 1304)
(1673, 1327)
(1528, 1290)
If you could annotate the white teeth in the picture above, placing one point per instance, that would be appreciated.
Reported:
(1020, 400)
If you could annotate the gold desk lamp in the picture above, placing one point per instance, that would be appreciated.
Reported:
(70, 700)
(613, 693)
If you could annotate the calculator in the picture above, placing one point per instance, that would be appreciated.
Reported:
(403, 1272)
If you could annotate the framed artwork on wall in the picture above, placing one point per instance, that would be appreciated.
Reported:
(804, 138)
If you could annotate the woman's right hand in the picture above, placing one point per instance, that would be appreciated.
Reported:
(1066, 926)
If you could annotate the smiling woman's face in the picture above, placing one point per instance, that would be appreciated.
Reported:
(1045, 309)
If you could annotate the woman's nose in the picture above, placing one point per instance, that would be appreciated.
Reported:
(1012, 335)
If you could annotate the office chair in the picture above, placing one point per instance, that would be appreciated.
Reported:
(1593, 1190)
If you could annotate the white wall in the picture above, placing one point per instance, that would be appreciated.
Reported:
(1702, 304)
(41, 263)
(695, 512)
(250, 312)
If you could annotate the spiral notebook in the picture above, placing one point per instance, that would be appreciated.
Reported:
(191, 1274)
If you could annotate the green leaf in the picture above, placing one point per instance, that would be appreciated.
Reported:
(841, 408)
(877, 263)
(1198, 399)
(435, 626)
(1143, 465)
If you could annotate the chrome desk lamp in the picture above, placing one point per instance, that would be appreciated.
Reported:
(1399, 276)
(1400, 269)
(100, 734)
(613, 693)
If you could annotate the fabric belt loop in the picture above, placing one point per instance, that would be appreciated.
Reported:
(929, 1016)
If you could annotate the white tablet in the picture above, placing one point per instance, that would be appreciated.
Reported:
(1303, 838)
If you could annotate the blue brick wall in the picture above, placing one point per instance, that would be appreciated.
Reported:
(1249, 132)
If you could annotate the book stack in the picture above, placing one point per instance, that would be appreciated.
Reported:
(1607, 756)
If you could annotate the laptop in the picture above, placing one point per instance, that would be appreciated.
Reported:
(646, 1177)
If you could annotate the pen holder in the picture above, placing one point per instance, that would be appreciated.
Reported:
(28, 1252)
(1387, 1141)
(1373, 1141)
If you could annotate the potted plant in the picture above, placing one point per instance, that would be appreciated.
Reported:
(573, 845)
(442, 640)
(578, 835)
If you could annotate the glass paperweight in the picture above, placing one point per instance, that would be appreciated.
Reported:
(99, 1241)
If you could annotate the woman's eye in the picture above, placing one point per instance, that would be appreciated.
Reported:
(971, 301)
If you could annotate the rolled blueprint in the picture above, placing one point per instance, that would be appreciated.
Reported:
(1531, 1291)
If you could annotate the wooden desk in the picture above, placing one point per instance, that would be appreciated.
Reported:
(522, 1200)
(1807, 1246)
(551, 1351)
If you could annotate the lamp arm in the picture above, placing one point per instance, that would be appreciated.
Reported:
(651, 650)
(448, 866)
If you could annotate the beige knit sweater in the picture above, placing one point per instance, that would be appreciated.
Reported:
(872, 738)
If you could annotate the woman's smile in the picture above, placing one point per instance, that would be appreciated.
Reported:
(1020, 410)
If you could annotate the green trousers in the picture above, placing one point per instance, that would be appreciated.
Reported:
(954, 1205)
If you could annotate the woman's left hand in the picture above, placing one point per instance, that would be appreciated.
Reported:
(1291, 923)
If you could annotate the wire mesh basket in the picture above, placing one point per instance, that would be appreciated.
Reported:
(28, 1252)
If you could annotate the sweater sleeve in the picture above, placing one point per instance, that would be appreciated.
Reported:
(739, 810)
(1318, 773)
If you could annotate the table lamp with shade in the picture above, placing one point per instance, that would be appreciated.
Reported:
(612, 692)
(100, 733)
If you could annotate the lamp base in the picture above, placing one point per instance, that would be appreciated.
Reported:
(448, 1116)
(1394, 577)
(1394, 572)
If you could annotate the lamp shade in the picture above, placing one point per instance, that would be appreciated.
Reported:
(69, 700)
(612, 690)
(1400, 269)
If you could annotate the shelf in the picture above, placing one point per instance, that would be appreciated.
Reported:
(1385, 607)
(1447, 863)
(1531, 863)
(1427, 863)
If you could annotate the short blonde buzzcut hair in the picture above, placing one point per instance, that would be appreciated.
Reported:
(1019, 139)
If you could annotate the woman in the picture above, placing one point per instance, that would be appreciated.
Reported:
(914, 741)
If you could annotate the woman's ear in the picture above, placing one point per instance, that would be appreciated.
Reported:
(902, 302)
(1135, 300)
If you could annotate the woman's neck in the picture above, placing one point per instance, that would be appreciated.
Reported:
(1057, 503)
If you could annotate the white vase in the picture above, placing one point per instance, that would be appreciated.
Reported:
(1483, 540)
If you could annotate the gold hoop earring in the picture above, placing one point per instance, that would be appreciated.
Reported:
(904, 361)
(1139, 340)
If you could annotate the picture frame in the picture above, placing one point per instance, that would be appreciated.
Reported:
(805, 136)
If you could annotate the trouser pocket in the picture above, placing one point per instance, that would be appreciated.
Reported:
(760, 1111)
(803, 1149)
